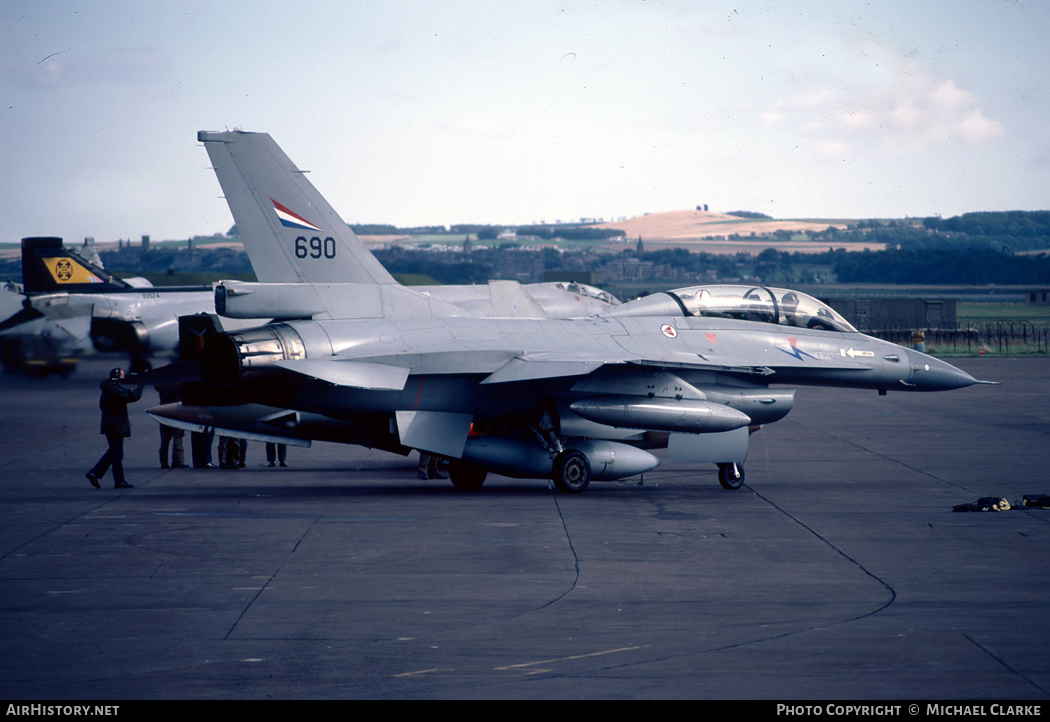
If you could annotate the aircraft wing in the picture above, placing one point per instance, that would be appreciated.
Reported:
(344, 372)
(531, 367)
(359, 368)
(542, 366)
(20, 318)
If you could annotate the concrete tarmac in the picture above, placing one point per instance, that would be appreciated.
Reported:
(839, 571)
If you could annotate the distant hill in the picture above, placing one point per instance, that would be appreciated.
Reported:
(695, 225)
(726, 233)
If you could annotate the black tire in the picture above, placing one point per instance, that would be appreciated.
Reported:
(572, 472)
(731, 476)
(466, 477)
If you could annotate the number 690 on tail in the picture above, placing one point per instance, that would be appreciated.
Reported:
(314, 247)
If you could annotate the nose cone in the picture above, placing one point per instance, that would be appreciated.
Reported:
(930, 374)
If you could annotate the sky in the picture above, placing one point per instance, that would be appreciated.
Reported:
(425, 113)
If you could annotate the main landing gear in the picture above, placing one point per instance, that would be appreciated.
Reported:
(731, 476)
(572, 472)
(466, 476)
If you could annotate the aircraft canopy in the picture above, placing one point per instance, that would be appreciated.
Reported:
(758, 303)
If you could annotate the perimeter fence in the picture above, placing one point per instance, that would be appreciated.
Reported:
(999, 336)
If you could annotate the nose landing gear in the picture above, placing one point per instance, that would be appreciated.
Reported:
(731, 476)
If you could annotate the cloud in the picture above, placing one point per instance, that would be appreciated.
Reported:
(978, 129)
(900, 107)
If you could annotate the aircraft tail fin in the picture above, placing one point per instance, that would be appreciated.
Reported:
(291, 233)
(49, 267)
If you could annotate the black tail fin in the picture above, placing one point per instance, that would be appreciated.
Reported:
(48, 266)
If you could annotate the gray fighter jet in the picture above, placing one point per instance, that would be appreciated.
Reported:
(79, 305)
(572, 400)
(293, 235)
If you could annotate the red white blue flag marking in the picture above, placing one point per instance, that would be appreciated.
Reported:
(289, 219)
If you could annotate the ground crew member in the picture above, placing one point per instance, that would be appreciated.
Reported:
(116, 426)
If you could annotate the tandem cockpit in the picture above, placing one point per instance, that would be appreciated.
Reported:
(780, 306)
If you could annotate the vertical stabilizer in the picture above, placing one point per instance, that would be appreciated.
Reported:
(49, 267)
(291, 233)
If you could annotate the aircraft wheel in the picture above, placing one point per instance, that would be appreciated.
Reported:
(730, 476)
(466, 477)
(572, 472)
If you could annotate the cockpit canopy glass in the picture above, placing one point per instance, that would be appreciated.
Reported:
(589, 291)
(758, 303)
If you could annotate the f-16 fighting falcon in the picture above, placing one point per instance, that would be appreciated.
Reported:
(569, 399)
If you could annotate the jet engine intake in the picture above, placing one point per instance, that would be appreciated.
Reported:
(113, 333)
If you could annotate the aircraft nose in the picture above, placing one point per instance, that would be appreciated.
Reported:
(930, 374)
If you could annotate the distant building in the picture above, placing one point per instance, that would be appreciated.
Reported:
(1038, 297)
(588, 277)
(885, 314)
(631, 269)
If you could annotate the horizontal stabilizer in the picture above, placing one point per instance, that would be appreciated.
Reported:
(161, 416)
(174, 373)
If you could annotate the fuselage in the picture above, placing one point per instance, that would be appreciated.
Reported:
(491, 366)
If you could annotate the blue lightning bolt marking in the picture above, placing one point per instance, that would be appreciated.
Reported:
(796, 352)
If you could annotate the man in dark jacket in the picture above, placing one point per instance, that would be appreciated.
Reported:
(116, 426)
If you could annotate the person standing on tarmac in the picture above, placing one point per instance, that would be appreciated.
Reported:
(116, 426)
(169, 435)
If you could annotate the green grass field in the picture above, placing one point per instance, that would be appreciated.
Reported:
(976, 312)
